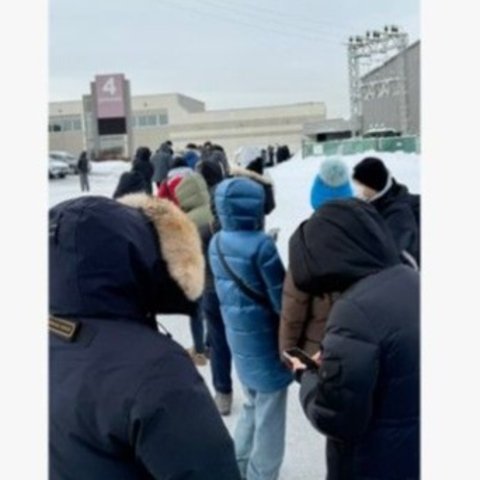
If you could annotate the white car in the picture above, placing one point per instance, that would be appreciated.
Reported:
(381, 133)
(57, 169)
(67, 158)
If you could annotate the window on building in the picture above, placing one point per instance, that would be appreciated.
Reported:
(77, 124)
(67, 125)
(146, 121)
(54, 127)
(163, 119)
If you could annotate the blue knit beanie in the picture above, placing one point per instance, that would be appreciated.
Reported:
(334, 172)
(332, 182)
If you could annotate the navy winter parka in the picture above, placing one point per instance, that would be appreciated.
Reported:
(143, 165)
(126, 402)
(251, 328)
(365, 395)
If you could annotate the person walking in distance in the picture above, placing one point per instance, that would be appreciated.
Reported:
(83, 166)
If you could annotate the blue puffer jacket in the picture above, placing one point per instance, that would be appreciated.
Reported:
(252, 329)
(191, 157)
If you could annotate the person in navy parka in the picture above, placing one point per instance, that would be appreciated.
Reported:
(365, 395)
(252, 323)
(126, 402)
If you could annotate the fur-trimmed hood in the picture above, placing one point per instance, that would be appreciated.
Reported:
(126, 259)
(180, 244)
(243, 172)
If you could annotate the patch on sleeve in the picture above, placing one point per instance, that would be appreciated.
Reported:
(66, 329)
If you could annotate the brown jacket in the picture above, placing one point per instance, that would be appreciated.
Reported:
(303, 318)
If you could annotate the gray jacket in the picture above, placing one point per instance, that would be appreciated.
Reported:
(161, 163)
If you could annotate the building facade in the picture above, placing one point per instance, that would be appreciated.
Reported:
(391, 94)
(182, 119)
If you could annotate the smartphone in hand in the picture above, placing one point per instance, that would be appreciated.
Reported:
(302, 356)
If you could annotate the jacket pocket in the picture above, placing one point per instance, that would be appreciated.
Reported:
(330, 374)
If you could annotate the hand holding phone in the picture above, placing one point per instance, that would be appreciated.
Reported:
(300, 359)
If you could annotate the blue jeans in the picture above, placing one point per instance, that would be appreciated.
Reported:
(220, 356)
(196, 327)
(260, 434)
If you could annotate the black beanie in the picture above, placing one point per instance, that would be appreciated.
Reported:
(256, 166)
(178, 162)
(372, 173)
(211, 171)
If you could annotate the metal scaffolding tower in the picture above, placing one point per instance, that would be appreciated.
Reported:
(364, 54)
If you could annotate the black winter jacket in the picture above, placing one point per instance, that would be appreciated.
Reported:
(395, 208)
(130, 182)
(206, 233)
(142, 164)
(213, 174)
(365, 395)
(126, 402)
(83, 164)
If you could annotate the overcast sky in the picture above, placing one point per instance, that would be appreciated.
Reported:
(228, 53)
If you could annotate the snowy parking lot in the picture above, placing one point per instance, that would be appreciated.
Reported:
(305, 458)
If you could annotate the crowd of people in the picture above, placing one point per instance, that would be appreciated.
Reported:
(185, 233)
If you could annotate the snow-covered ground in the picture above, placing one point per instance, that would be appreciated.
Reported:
(304, 458)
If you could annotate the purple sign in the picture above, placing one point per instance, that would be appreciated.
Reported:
(110, 96)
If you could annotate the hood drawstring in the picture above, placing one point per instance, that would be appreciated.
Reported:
(163, 329)
(384, 191)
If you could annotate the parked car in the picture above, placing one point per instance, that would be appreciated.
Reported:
(381, 133)
(68, 158)
(57, 169)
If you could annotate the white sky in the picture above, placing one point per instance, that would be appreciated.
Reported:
(229, 54)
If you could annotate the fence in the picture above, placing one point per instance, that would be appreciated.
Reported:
(410, 144)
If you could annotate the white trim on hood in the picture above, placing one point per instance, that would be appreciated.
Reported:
(384, 191)
(250, 174)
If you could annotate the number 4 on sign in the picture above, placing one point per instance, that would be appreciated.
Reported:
(109, 86)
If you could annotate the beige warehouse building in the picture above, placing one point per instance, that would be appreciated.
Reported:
(182, 119)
